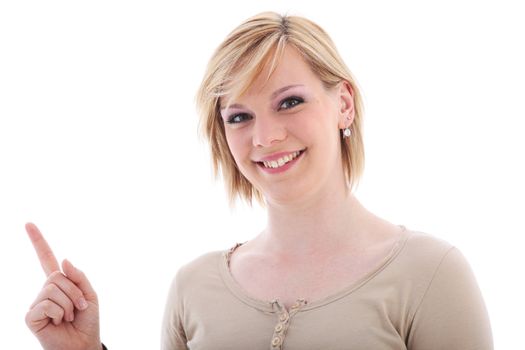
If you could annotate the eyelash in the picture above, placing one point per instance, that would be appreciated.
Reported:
(231, 119)
(296, 101)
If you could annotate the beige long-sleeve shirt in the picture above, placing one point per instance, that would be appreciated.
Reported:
(423, 296)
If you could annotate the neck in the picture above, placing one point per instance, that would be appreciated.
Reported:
(330, 221)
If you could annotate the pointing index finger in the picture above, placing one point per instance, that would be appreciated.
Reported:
(45, 254)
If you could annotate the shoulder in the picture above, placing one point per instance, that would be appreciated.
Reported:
(435, 271)
(426, 242)
(421, 258)
(191, 282)
(201, 262)
(202, 265)
(447, 306)
(437, 257)
(441, 261)
(203, 271)
(424, 251)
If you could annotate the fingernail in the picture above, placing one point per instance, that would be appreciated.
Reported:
(82, 304)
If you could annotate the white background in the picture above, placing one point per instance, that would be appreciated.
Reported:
(99, 144)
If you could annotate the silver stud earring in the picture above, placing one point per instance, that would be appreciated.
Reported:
(347, 132)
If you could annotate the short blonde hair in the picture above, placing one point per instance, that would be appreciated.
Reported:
(239, 60)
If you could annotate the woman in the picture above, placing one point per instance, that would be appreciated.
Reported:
(283, 117)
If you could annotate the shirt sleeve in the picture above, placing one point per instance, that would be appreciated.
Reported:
(173, 336)
(452, 314)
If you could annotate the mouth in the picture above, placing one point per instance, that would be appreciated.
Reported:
(281, 163)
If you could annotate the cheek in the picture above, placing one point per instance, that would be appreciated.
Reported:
(316, 125)
(320, 129)
(237, 144)
(324, 114)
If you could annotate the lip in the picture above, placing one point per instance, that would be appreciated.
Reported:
(281, 168)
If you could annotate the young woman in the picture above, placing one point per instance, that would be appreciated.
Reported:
(283, 117)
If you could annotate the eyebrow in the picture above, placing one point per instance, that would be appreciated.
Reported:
(274, 94)
(283, 89)
(232, 106)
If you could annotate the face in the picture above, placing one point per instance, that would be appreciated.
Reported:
(284, 133)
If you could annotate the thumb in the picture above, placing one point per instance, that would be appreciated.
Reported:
(80, 279)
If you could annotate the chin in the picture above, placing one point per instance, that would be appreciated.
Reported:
(284, 193)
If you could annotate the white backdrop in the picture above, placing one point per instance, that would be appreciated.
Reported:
(99, 145)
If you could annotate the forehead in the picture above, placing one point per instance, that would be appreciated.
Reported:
(289, 68)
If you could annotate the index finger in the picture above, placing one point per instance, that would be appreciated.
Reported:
(45, 254)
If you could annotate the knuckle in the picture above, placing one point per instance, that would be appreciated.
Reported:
(46, 305)
(50, 288)
(68, 306)
(54, 276)
(61, 282)
(51, 308)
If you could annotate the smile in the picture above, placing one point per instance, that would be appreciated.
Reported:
(274, 164)
(281, 164)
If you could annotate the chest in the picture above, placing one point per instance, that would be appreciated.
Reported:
(288, 280)
(355, 322)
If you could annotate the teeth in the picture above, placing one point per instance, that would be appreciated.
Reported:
(281, 161)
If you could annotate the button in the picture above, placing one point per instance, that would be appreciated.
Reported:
(276, 341)
(283, 317)
(279, 327)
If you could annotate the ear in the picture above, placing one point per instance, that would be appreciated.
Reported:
(346, 104)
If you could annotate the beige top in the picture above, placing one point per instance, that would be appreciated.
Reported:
(423, 296)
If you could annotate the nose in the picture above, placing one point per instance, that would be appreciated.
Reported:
(268, 130)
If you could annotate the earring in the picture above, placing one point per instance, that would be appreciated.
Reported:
(347, 132)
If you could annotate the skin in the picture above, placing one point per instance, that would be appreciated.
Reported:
(64, 316)
(318, 236)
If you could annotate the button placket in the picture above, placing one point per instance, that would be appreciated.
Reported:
(284, 317)
(281, 328)
(276, 342)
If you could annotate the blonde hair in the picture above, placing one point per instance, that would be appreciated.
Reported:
(239, 60)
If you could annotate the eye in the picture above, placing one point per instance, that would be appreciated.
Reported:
(238, 118)
(290, 102)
